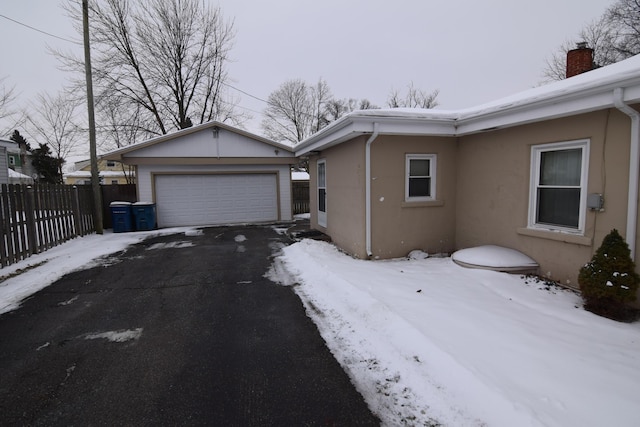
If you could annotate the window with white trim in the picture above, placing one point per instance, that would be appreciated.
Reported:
(557, 198)
(420, 181)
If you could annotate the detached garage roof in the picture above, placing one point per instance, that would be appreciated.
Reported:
(209, 143)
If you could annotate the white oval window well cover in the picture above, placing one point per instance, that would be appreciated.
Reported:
(499, 258)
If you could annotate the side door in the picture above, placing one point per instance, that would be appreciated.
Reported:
(322, 193)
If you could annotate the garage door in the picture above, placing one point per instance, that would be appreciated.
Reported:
(215, 199)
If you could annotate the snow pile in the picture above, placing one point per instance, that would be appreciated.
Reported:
(426, 341)
(116, 336)
(496, 257)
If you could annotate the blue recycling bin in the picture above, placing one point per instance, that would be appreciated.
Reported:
(121, 217)
(144, 214)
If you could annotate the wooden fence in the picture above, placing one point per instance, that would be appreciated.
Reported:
(115, 193)
(300, 193)
(39, 217)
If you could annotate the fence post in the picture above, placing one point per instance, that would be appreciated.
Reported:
(4, 235)
(77, 219)
(30, 221)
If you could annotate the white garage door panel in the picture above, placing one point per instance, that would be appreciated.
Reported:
(215, 199)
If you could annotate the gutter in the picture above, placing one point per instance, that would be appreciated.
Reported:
(367, 169)
(634, 169)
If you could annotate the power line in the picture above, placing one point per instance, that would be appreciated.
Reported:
(38, 30)
(246, 93)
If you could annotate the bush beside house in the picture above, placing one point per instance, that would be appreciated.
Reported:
(609, 281)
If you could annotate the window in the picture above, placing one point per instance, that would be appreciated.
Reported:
(114, 181)
(420, 182)
(111, 163)
(557, 197)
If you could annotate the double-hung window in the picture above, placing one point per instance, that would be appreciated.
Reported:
(420, 182)
(557, 197)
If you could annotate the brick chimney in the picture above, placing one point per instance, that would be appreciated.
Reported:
(579, 60)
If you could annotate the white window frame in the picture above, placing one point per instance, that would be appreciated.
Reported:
(432, 175)
(536, 155)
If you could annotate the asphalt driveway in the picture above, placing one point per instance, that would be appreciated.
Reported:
(177, 330)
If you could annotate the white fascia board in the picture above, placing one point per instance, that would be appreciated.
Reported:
(632, 95)
(355, 126)
(561, 105)
(531, 114)
(415, 126)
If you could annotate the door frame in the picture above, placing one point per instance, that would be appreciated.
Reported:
(321, 192)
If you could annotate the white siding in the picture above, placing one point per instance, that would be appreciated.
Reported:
(203, 144)
(4, 171)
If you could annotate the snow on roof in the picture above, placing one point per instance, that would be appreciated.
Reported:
(111, 155)
(87, 174)
(299, 176)
(14, 174)
(582, 93)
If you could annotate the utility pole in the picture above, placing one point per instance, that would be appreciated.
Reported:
(95, 175)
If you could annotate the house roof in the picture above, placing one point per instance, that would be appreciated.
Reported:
(117, 154)
(106, 174)
(14, 174)
(583, 93)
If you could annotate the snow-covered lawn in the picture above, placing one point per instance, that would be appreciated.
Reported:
(428, 342)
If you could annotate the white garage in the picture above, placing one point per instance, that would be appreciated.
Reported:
(216, 199)
(212, 174)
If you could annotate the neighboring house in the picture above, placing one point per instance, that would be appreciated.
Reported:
(109, 171)
(19, 178)
(548, 172)
(212, 174)
(4, 169)
(18, 158)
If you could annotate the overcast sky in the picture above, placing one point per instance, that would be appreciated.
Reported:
(471, 51)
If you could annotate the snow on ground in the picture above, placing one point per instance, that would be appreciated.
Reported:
(20, 280)
(428, 342)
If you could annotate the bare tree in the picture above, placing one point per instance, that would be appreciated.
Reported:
(120, 128)
(297, 110)
(291, 112)
(337, 108)
(163, 59)
(613, 37)
(9, 117)
(53, 122)
(414, 98)
(624, 18)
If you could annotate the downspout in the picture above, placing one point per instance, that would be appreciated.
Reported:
(367, 173)
(634, 169)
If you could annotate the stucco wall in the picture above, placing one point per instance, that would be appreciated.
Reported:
(346, 195)
(493, 189)
(399, 227)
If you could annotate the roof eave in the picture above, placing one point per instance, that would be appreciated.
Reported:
(353, 126)
(553, 107)
(117, 154)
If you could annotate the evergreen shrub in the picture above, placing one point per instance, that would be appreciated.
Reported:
(609, 281)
